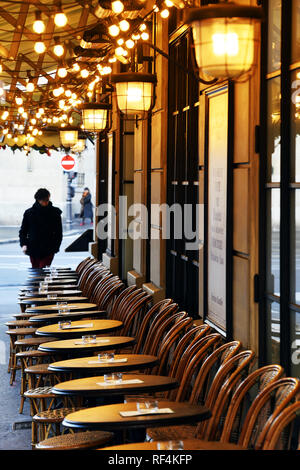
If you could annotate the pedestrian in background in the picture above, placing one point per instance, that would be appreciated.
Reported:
(86, 206)
(41, 230)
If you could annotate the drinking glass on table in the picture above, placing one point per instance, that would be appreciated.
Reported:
(52, 296)
(170, 445)
(63, 324)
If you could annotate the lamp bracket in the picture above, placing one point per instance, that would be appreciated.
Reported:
(186, 70)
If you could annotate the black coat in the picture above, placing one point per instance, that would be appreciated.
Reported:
(41, 230)
(86, 206)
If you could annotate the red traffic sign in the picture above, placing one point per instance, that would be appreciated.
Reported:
(68, 162)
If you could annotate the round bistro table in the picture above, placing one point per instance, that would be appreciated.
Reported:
(78, 328)
(188, 444)
(97, 387)
(54, 308)
(108, 417)
(91, 364)
(74, 347)
(55, 317)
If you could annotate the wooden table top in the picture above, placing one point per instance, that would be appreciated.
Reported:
(66, 280)
(52, 308)
(96, 326)
(59, 298)
(134, 362)
(188, 444)
(33, 288)
(55, 317)
(69, 345)
(108, 417)
(89, 386)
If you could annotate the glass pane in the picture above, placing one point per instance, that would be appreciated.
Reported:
(295, 246)
(295, 127)
(273, 241)
(274, 33)
(273, 332)
(296, 30)
(295, 345)
(273, 123)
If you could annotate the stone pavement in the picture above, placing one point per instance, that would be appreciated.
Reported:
(13, 272)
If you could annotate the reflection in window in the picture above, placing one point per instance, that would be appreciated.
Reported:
(295, 30)
(273, 241)
(273, 144)
(295, 127)
(274, 41)
(295, 344)
(273, 341)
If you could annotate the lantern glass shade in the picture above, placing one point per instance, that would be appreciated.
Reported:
(135, 92)
(69, 137)
(226, 45)
(95, 117)
(80, 146)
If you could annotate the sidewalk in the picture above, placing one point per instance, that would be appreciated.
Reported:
(10, 234)
(13, 272)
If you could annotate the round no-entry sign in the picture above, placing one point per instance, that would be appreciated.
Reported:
(68, 162)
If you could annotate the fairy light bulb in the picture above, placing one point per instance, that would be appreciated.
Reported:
(76, 67)
(58, 48)
(21, 110)
(112, 60)
(124, 25)
(61, 104)
(120, 41)
(169, 3)
(145, 36)
(30, 87)
(117, 6)
(38, 25)
(25, 115)
(74, 96)
(114, 30)
(135, 37)
(68, 93)
(164, 13)
(5, 115)
(129, 43)
(84, 73)
(40, 132)
(1, 91)
(120, 51)
(143, 27)
(60, 19)
(39, 47)
(9, 136)
(89, 94)
(33, 121)
(5, 131)
(62, 72)
(19, 100)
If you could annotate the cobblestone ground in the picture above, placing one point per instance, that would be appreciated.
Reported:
(13, 272)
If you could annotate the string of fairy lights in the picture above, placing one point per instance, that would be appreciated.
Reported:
(55, 103)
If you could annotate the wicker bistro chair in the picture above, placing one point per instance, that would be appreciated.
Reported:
(27, 359)
(14, 335)
(77, 441)
(211, 365)
(265, 409)
(240, 402)
(158, 311)
(280, 431)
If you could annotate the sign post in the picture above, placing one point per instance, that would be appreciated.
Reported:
(68, 163)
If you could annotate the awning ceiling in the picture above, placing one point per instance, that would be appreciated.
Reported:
(86, 33)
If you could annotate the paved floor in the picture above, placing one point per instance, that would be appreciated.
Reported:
(13, 272)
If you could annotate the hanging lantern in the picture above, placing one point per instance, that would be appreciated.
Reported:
(69, 136)
(135, 92)
(95, 116)
(225, 37)
(79, 147)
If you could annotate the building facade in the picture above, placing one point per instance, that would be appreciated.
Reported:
(225, 155)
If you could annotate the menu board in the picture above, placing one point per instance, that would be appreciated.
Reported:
(217, 206)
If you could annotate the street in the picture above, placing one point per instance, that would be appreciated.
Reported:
(13, 272)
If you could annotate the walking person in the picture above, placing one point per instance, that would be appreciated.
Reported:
(86, 206)
(41, 230)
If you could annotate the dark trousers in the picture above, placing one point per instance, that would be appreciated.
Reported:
(41, 262)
